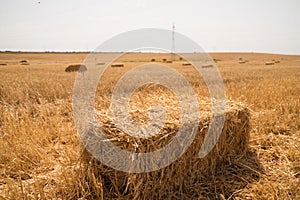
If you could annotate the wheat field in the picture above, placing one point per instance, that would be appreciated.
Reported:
(40, 150)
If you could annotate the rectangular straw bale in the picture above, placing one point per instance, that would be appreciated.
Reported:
(179, 178)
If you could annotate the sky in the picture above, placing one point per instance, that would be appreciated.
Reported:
(267, 26)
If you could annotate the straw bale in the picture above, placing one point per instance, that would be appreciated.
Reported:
(207, 66)
(186, 64)
(269, 63)
(75, 68)
(177, 180)
(117, 65)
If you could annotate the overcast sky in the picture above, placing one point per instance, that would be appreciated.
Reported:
(216, 25)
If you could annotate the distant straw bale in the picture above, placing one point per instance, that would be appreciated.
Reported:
(117, 65)
(75, 68)
(269, 63)
(276, 61)
(186, 64)
(24, 62)
(207, 66)
(242, 61)
(217, 60)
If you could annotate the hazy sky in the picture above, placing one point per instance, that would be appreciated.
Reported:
(216, 25)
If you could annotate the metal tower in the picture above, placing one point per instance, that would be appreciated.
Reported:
(173, 44)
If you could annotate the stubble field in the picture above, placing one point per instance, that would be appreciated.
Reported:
(40, 151)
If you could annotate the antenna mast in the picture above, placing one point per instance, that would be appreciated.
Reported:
(173, 43)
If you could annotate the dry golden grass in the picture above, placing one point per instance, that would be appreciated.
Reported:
(40, 151)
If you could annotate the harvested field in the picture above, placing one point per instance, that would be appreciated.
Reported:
(257, 156)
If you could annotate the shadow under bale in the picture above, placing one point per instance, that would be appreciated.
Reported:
(226, 169)
(75, 68)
